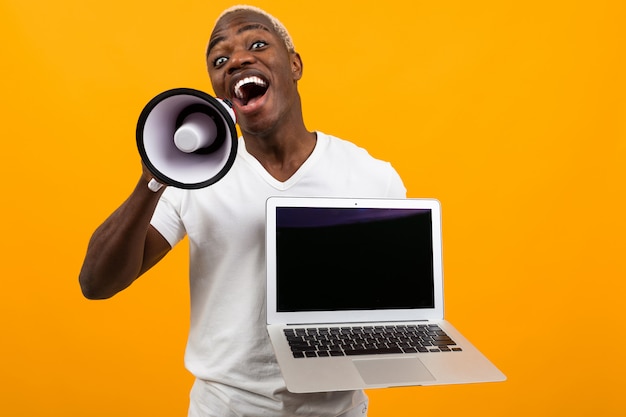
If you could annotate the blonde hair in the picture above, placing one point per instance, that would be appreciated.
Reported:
(280, 29)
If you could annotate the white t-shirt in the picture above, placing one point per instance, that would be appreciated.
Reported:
(228, 346)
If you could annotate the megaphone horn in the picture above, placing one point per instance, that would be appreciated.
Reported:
(187, 138)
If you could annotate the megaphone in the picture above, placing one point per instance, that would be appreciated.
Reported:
(187, 138)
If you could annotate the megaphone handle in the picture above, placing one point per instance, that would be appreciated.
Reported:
(154, 185)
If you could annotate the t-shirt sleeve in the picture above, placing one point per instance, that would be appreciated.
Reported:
(167, 220)
(395, 188)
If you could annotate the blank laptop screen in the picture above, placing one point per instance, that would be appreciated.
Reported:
(331, 259)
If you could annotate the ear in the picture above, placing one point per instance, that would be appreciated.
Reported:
(296, 66)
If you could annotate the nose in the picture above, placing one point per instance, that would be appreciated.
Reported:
(239, 59)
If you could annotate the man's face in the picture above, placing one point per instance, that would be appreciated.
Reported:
(250, 65)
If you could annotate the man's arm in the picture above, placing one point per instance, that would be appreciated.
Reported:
(124, 246)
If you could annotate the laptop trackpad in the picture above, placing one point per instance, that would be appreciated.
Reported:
(392, 370)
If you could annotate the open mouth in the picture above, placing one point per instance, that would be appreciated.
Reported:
(249, 88)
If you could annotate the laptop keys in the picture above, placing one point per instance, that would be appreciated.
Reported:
(368, 340)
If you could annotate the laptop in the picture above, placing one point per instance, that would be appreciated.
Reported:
(355, 296)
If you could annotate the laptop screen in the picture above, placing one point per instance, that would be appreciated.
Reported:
(334, 259)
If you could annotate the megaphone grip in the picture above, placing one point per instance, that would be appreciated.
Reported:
(154, 185)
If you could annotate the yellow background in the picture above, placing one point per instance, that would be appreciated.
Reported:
(513, 114)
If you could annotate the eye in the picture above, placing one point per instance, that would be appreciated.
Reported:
(219, 61)
(258, 45)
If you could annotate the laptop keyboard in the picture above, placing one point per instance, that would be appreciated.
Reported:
(368, 340)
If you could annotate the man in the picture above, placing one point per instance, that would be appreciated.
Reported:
(251, 62)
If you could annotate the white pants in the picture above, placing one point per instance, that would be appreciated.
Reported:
(209, 403)
(358, 411)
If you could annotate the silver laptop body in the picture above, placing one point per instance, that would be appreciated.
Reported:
(355, 296)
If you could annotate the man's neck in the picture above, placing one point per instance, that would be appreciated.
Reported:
(282, 154)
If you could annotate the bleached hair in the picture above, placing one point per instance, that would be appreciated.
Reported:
(280, 29)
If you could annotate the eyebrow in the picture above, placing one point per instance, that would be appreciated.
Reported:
(252, 26)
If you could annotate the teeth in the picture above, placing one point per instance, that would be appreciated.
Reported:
(248, 80)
